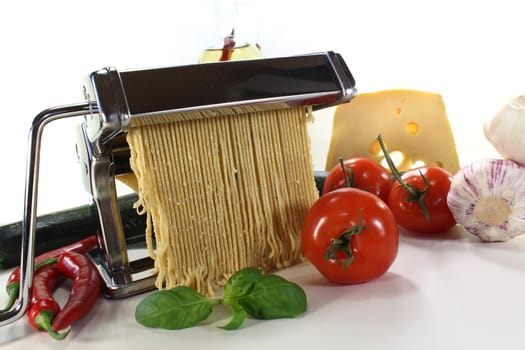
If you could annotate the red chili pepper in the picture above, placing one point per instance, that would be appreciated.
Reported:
(13, 281)
(85, 291)
(83, 246)
(43, 306)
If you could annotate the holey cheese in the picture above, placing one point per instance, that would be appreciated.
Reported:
(413, 124)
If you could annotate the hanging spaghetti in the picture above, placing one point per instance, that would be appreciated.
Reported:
(222, 193)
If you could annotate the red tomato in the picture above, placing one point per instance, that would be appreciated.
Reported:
(367, 175)
(409, 214)
(373, 248)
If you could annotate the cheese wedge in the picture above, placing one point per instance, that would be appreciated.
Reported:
(414, 126)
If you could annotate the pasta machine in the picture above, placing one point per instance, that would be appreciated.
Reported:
(113, 98)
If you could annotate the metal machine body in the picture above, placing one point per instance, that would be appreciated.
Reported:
(114, 98)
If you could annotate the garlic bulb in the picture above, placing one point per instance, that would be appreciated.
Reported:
(487, 198)
(506, 128)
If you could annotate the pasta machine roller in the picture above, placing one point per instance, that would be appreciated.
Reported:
(113, 98)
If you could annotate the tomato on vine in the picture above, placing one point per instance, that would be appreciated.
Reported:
(350, 236)
(418, 197)
(360, 172)
(426, 210)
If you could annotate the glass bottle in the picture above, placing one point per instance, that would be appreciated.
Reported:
(237, 30)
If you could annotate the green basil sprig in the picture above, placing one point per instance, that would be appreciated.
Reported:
(247, 292)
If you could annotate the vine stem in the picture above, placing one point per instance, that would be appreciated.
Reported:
(343, 243)
(414, 194)
(348, 173)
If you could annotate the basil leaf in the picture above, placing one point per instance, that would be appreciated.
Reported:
(238, 316)
(176, 308)
(274, 297)
(239, 284)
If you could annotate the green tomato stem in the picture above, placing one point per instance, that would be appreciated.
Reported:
(348, 174)
(412, 190)
(343, 243)
(414, 194)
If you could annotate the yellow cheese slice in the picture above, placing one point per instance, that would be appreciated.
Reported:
(130, 180)
(413, 124)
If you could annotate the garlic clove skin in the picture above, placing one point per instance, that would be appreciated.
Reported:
(487, 198)
(506, 128)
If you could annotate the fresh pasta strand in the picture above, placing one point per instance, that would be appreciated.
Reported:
(222, 193)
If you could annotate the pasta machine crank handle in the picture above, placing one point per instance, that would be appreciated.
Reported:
(30, 204)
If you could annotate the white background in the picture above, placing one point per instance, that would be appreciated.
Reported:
(470, 52)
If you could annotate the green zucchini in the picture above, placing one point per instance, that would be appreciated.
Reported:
(60, 228)
(64, 227)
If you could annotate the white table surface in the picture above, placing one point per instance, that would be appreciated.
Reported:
(447, 291)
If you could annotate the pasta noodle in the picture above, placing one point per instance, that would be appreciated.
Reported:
(222, 193)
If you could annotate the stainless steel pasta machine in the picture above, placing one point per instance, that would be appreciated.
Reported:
(113, 98)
